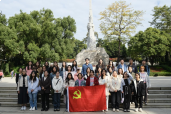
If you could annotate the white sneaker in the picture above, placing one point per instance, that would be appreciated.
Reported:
(30, 109)
(102, 110)
(33, 108)
(136, 109)
(148, 94)
(113, 109)
(106, 110)
(117, 110)
(22, 108)
(140, 109)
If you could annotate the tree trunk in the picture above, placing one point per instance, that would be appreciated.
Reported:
(119, 50)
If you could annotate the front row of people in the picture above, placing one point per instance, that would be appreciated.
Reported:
(116, 86)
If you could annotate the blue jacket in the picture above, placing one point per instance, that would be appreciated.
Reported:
(125, 67)
(84, 68)
(83, 83)
(34, 87)
(52, 76)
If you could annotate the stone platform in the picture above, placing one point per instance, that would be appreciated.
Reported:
(94, 55)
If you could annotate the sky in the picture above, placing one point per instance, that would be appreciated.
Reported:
(79, 10)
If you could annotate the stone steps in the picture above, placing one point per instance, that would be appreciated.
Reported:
(159, 97)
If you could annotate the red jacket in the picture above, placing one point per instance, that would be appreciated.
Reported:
(96, 82)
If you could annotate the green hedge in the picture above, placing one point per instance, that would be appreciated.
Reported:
(166, 67)
(160, 73)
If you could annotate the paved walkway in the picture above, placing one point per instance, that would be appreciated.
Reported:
(160, 81)
(14, 110)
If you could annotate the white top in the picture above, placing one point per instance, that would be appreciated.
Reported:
(107, 81)
(57, 84)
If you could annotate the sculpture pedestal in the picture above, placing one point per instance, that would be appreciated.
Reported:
(94, 55)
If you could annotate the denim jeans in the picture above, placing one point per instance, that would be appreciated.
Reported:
(57, 98)
(33, 100)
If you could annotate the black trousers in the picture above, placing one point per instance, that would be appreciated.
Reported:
(127, 99)
(45, 98)
(115, 99)
(145, 96)
(138, 99)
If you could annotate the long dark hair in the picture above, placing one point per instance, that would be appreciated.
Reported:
(74, 65)
(87, 69)
(31, 66)
(99, 63)
(121, 69)
(110, 66)
(57, 67)
(70, 66)
(53, 71)
(66, 69)
(102, 74)
(67, 79)
(25, 71)
(31, 77)
(38, 65)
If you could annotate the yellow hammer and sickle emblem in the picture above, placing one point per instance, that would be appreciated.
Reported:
(78, 96)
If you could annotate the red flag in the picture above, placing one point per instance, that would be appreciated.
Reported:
(87, 98)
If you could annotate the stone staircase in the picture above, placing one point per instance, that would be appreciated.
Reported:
(159, 97)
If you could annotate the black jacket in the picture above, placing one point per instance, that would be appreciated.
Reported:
(141, 88)
(134, 68)
(46, 84)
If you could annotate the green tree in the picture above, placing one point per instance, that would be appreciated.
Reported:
(119, 20)
(151, 43)
(162, 20)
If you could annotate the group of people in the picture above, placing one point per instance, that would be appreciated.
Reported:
(124, 83)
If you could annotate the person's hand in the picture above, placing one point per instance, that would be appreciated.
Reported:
(115, 90)
(106, 84)
(93, 84)
(50, 86)
(27, 92)
(122, 92)
(57, 91)
(132, 93)
(18, 92)
(42, 87)
(32, 90)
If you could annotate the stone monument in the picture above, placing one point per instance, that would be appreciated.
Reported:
(92, 52)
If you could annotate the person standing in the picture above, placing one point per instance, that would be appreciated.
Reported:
(56, 65)
(76, 74)
(1, 74)
(45, 83)
(87, 73)
(127, 91)
(110, 72)
(22, 89)
(85, 66)
(144, 76)
(92, 80)
(12, 74)
(116, 89)
(42, 72)
(105, 80)
(100, 64)
(29, 68)
(146, 67)
(74, 66)
(18, 75)
(138, 91)
(134, 67)
(110, 65)
(63, 69)
(33, 83)
(69, 82)
(98, 73)
(57, 84)
(123, 66)
(80, 81)
(47, 66)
